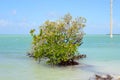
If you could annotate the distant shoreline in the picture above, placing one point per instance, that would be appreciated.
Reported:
(113, 34)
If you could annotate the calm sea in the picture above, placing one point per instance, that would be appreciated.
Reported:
(103, 56)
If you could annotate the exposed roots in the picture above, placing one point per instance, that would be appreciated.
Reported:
(70, 62)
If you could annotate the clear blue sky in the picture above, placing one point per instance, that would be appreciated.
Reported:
(19, 16)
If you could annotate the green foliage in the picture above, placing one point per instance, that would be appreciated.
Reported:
(58, 41)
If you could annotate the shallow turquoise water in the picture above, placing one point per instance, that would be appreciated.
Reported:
(103, 55)
(101, 47)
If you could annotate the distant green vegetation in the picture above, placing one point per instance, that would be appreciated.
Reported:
(57, 41)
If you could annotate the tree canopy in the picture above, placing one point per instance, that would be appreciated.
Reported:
(58, 41)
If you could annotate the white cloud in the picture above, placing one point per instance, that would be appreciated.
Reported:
(23, 23)
(14, 12)
(16, 26)
(4, 23)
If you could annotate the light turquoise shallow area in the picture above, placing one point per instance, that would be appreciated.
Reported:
(103, 56)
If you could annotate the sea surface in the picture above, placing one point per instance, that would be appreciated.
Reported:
(103, 56)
